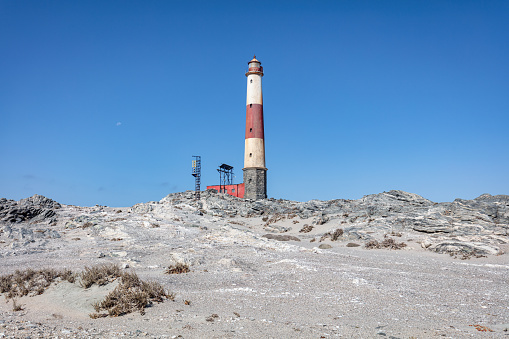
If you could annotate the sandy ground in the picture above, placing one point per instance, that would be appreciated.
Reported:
(242, 285)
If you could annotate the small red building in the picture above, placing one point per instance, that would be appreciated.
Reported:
(236, 190)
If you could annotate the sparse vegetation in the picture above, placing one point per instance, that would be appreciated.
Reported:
(212, 317)
(333, 235)
(386, 243)
(275, 218)
(30, 281)
(178, 268)
(87, 224)
(132, 294)
(482, 328)
(464, 255)
(99, 275)
(395, 234)
(15, 306)
(306, 228)
(237, 222)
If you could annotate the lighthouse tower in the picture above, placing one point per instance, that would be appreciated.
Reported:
(255, 172)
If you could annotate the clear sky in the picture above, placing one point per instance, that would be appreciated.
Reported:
(106, 102)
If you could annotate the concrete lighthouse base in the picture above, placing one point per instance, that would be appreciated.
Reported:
(255, 181)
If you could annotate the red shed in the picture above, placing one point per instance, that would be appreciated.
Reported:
(236, 190)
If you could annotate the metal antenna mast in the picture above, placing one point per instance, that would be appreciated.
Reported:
(197, 175)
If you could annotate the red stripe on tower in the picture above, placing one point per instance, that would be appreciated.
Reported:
(254, 121)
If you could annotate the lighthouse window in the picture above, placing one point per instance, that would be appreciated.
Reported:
(250, 130)
(251, 81)
(250, 105)
(250, 154)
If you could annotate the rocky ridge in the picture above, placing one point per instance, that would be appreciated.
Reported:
(475, 226)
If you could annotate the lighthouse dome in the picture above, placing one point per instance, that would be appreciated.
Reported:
(254, 60)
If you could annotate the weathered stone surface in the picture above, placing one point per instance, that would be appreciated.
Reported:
(486, 217)
(281, 237)
(457, 247)
(34, 209)
(82, 221)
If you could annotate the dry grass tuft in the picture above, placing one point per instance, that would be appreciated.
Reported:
(99, 275)
(178, 269)
(387, 243)
(87, 224)
(132, 294)
(33, 282)
(334, 235)
(15, 306)
(306, 228)
(212, 317)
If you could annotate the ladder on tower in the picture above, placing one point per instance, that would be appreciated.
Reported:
(196, 173)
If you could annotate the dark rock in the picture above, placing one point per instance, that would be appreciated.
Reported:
(351, 244)
(324, 246)
(34, 209)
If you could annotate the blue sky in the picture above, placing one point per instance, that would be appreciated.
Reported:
(106, 102)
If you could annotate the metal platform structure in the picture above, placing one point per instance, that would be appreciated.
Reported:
(196, 173)
(225, 177)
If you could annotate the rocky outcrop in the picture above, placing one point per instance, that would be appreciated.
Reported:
(477, 226)
(35, 209)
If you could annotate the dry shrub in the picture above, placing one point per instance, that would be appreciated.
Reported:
(87, 224)
(275, 218)
(99, 275)
(482, 328)
(334, 235)
(212, 317)
(387, 243)
(132, 294)
(30, 281)
(178, 268)
(465, 255)
(306, 228)
(15, 306)
(237, 222)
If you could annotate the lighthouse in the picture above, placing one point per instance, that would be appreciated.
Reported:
(255, 172)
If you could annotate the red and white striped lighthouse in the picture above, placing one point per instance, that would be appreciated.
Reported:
(255, 172)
